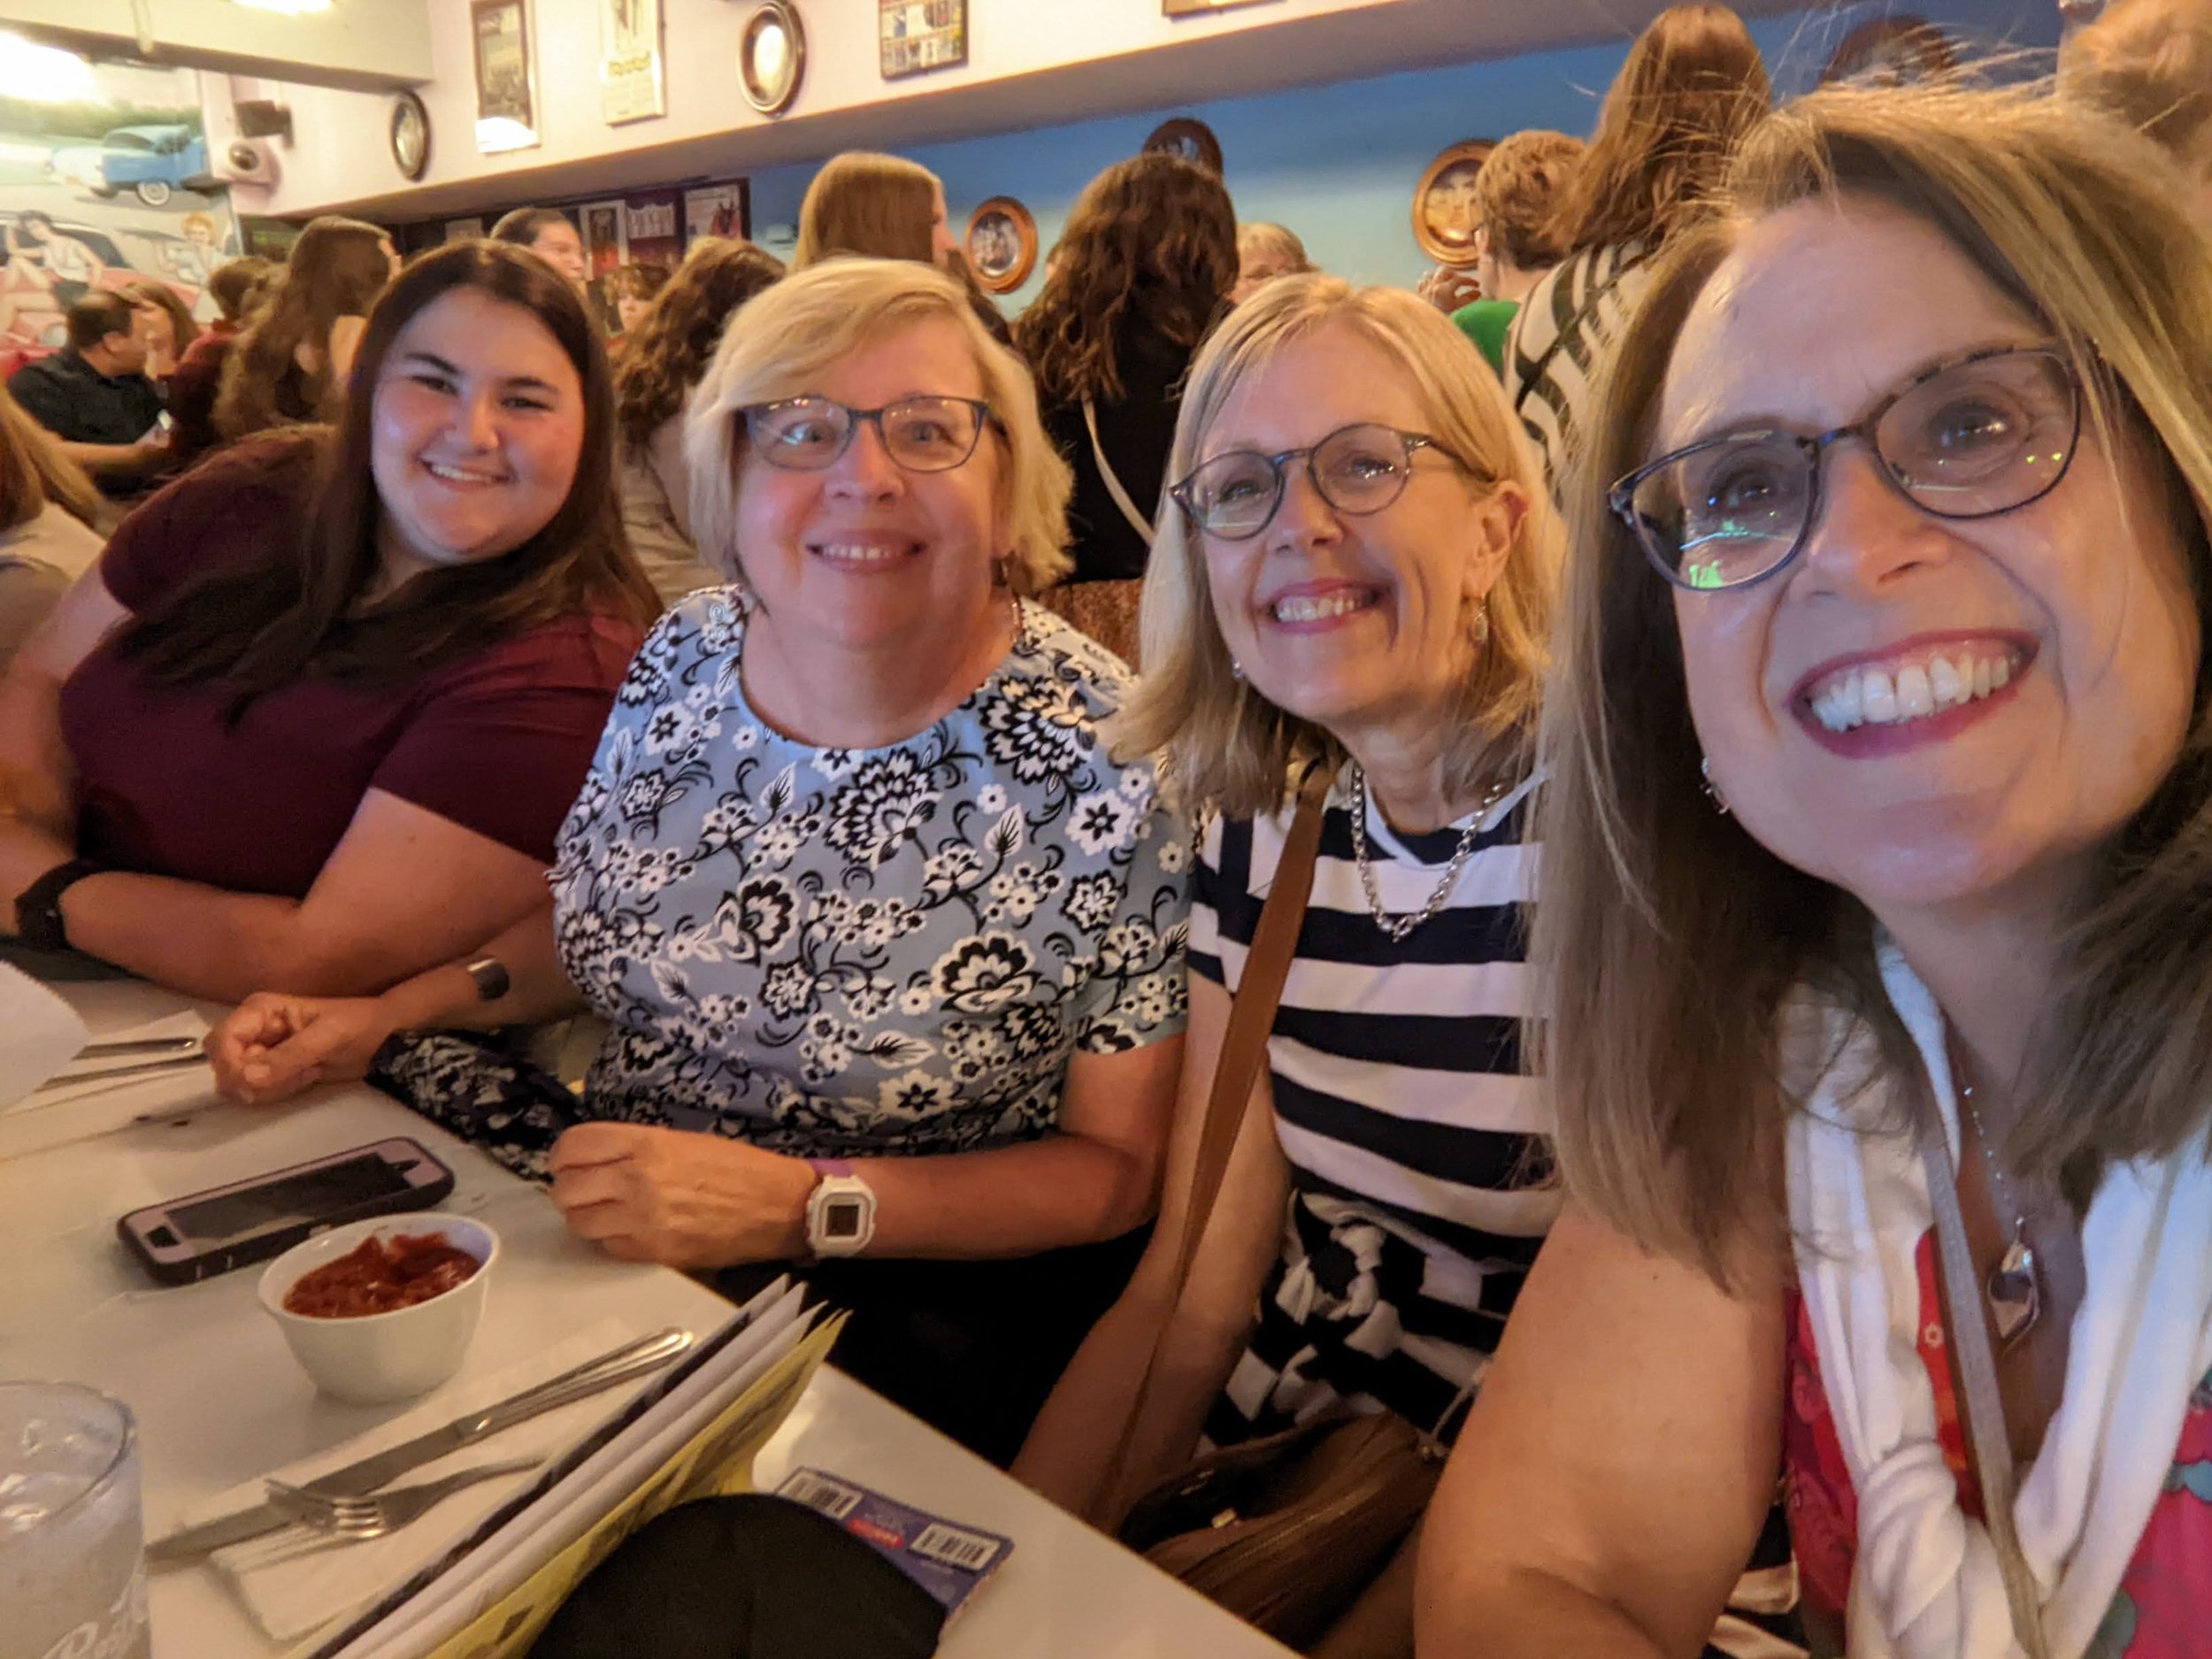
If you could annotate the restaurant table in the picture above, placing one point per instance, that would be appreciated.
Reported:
(219, 1398)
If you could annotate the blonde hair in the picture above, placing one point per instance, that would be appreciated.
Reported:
(1227, 748)
(34, 471)
(2149, 62)
(861, 203)
(792, 333)
(1668, 941)
(1257, 236)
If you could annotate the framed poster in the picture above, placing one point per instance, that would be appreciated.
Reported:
(632, 86)
(916, 36)
(717, 210)
(1001, 244)
(506, 84)
(606, 233)
(464, 229)
(653, 228)
(1444, 203)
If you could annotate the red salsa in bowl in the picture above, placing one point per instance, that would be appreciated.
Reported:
(381, 1275)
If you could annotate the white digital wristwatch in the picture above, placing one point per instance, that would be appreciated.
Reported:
(841, 1214)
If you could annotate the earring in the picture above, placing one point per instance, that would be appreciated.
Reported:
(1236, 669)
(1711, 789)
(1481, 628)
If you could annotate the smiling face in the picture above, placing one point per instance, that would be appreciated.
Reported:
(2022, 683)
(863, 553)
(1353, 621)
(479, 423)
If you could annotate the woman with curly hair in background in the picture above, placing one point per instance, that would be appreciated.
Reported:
(669, 348)
(1146, 266)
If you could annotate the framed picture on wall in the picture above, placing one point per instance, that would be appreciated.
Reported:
(916, 36)
(1444, 203)
(717, 210)
(1001, 244)
(506, 81)
(770, 56)
(632, 84)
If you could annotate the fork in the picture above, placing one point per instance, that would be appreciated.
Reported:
(380, 1512)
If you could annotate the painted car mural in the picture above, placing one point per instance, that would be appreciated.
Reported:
(153, 161)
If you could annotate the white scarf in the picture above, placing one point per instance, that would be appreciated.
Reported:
(1927, 1584)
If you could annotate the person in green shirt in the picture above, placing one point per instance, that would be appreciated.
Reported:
(1514, 233)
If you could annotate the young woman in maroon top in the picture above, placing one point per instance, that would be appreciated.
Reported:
(314, 718)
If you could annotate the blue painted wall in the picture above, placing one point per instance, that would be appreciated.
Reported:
(1338, 164)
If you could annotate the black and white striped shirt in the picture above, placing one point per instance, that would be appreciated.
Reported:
(1562, 341)
(1415, 1143)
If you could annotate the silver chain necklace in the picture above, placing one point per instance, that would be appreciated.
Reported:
(1399, 926)
(2013, 1287)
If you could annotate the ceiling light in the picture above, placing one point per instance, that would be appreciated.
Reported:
(44, 74)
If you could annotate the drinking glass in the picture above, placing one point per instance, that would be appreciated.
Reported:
(72, 1574)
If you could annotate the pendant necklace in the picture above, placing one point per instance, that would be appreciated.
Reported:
(1399, 926)
(2013, 1290)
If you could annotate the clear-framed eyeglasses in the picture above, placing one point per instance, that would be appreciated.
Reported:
(922, 434)
(1357, 469)
(1970, 438)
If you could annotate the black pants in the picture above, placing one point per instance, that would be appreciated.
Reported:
(971, 1347)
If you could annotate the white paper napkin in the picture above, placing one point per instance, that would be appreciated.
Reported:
(84, 1075)
(38, 1033)
(291, 1595)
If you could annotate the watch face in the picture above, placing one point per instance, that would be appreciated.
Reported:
(840, 1218)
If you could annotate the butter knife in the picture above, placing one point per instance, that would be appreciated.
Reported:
(632, 1359)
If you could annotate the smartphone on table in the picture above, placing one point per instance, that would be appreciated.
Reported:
(205, 1233)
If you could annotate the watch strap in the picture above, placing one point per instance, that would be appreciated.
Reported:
(830, 1166)
(38, 919)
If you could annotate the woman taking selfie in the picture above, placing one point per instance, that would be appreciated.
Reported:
(288, 365)
(891, 949)
(315, 719)
(666, 352)
(1875, 924)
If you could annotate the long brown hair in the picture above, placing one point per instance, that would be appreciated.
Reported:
(34, 471)
(336, 269)
(1150, 244)
(260, 627)
(674, 341)
(1667, 942)
(861, 203)
(183, 326)
(1692, 84)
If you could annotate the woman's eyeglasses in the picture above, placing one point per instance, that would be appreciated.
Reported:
(1968, 439)
(922, 434)
(1357, 469)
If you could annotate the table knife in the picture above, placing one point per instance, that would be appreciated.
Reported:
(633, 1359)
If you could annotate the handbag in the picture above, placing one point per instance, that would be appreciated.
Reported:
(1285, 1530)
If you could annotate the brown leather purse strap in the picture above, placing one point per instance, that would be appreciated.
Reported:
(1243, 1051)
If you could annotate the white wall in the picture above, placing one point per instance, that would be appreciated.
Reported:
(1031, 62)
(363, 44)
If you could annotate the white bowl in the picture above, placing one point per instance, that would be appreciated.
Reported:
(377, 1358)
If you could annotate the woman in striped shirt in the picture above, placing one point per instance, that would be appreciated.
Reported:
(1357, 578)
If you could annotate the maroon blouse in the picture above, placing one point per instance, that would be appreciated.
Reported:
(497, 741)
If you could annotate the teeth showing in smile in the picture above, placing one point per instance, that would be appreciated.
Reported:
(860, 552)
(456, 475)
(1320, 607)
(1868, 696)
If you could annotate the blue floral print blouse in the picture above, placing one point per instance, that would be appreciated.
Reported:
(837, 952)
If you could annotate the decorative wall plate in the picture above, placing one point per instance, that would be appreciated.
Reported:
(409, 136)
(1192, 140)
(1444, 203)
(1001, 244)
(771, 57)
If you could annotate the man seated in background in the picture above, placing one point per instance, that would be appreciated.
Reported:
(1515, 198)
(94, 395)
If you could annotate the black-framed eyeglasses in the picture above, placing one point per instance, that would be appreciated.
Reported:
(923, 434)
(1357, 469)
(1970, 438)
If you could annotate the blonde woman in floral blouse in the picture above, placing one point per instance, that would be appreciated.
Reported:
(891, 951)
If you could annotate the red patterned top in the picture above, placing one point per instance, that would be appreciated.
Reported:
(2164, 1607)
